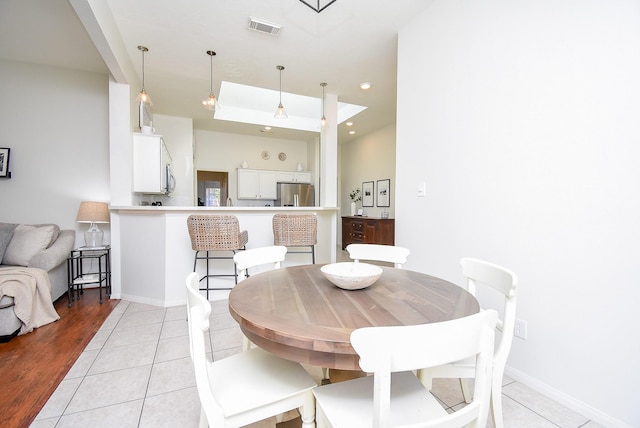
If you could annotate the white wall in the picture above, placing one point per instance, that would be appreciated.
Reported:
(522, 119)
(218, 151)
(59, 146)
(368, 158)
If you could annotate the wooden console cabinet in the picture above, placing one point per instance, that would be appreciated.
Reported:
(366, 230)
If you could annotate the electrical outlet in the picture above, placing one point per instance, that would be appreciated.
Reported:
(521, 329)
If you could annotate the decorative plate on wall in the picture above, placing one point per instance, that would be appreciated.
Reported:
(266, 155)
(282, 156)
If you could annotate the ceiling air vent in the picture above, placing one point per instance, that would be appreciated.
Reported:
(263, 26)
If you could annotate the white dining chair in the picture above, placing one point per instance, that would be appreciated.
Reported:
(394, 396)
(245, 387)
(272, 255)
(504, 282)
(382, 253)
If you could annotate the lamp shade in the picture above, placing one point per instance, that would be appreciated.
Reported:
(93, 212)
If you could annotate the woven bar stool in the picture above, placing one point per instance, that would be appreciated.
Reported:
(215, 233)
(296, 230)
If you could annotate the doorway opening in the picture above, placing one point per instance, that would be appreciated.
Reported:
(213, 188)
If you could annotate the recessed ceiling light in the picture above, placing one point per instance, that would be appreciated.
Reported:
(365, 85)
(349, 123)
(267, 128)
(352, 132)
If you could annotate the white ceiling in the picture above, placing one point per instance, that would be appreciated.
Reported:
(350, 42)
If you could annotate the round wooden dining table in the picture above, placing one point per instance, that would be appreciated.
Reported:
(297, 314)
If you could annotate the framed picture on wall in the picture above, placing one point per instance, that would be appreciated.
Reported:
(4, 161)
(367, 194)
(383, 193)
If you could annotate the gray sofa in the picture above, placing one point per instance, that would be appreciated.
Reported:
(34, 246)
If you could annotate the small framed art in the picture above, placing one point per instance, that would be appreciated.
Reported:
(383, 193)
(4, 162)
(367, 194)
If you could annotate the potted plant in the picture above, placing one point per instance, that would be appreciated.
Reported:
(355, 196)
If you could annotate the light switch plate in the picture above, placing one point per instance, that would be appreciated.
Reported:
(422, 189)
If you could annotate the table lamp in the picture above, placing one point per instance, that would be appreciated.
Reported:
(93, 212)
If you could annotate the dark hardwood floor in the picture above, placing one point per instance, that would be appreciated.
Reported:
(32, 365)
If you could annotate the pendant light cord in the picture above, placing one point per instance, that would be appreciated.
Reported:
(210, 103)
(280, 113)
(142, 49)
(211, 54)
(280, 85)
(211, 75)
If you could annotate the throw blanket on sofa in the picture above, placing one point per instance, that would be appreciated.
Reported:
(31, 292)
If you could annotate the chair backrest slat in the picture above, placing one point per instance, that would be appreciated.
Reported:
(504, 281)
(383, 253)
(253, 257)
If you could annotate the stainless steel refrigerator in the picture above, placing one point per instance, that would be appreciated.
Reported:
(295, 195)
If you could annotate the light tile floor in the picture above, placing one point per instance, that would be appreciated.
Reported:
(136, 372)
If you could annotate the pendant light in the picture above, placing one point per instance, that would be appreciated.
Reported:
(211, 103)
(143, 97)
(323, 119)
(280, 113)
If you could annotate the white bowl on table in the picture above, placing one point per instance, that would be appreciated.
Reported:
(351, 275)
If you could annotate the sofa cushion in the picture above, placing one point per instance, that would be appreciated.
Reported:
(6, 233)
(56, 232)
(26, 242)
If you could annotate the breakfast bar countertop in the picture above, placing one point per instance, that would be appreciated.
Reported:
(168, 208)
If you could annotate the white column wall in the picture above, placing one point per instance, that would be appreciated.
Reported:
(329, 154)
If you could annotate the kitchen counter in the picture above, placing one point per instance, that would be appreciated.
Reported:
(152, 255)
(152, 208)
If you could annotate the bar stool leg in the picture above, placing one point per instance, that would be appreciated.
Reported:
(235, 271)
(207, 273)
(100, 278)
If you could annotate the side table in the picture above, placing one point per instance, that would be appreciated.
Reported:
(78, 277)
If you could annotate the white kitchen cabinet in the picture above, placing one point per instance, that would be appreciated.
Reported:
(302, 177)
(257, 184)
(151, 164)
(294, 177)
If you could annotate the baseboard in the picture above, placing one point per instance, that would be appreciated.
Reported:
(564, 399)
(144, 300)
